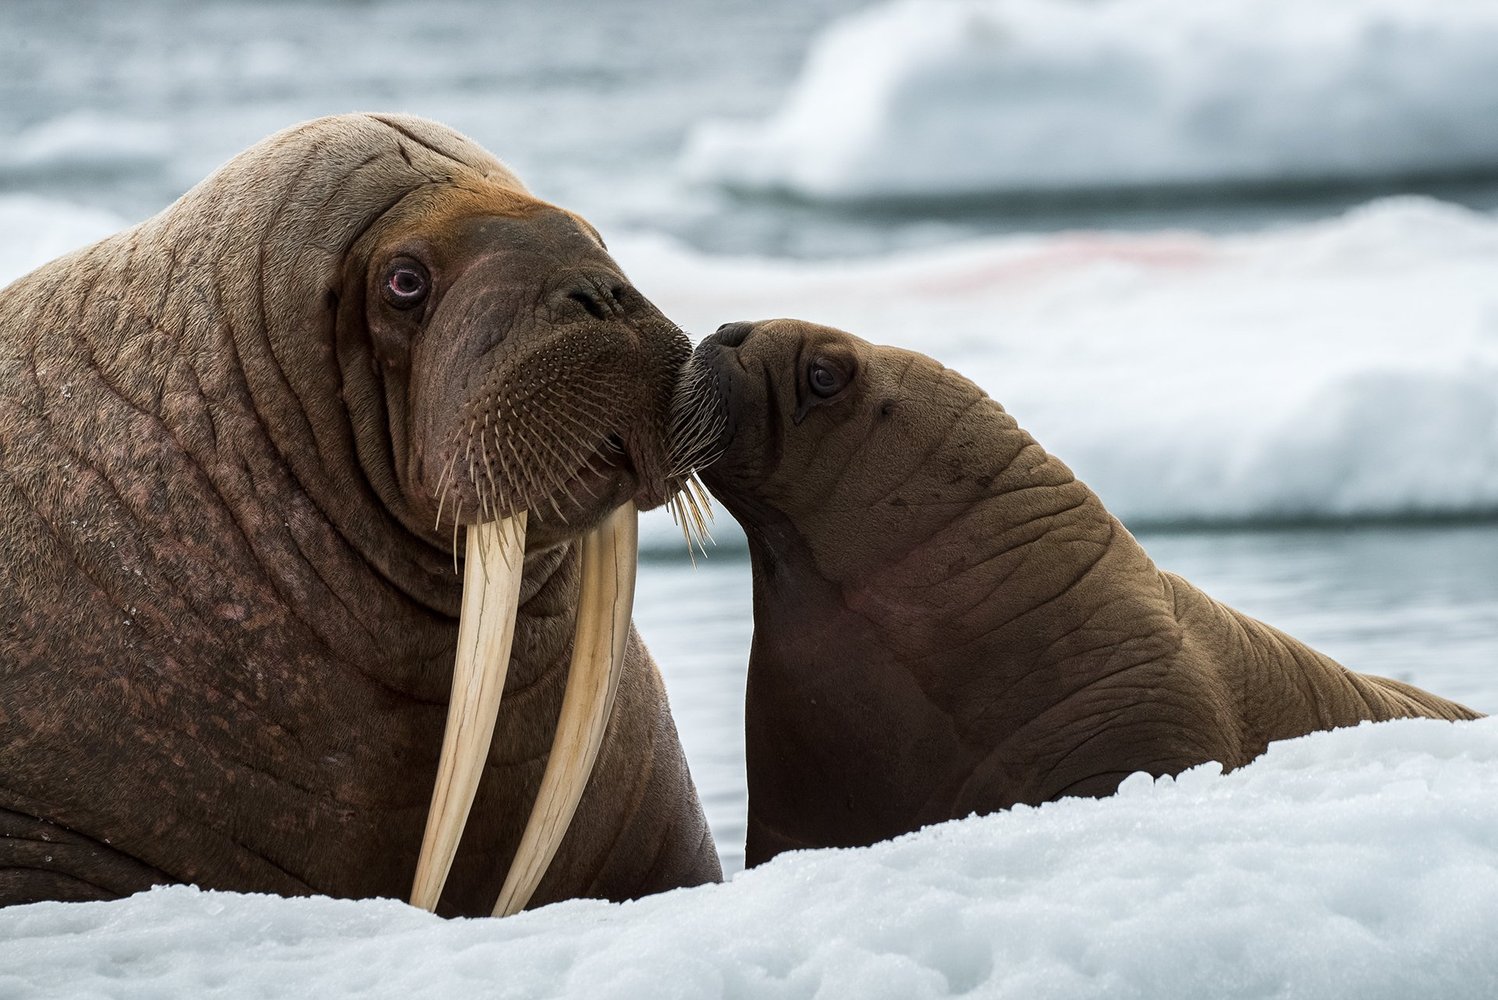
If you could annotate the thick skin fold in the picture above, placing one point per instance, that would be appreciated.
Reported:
(491, 590)
(610, 555)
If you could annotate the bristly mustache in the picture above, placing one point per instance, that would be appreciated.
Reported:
(697, 424)
(526, 442)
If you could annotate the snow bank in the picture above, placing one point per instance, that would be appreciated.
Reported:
(1347, 368)
(955, 97)
(1362, 863)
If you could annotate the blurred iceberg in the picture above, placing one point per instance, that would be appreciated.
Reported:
(37, 229)
(944, 98)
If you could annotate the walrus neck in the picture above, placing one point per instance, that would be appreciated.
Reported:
(1005, 534)
(1040, 553)
(987, 558)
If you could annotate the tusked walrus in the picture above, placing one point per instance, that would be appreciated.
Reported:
(240, 446)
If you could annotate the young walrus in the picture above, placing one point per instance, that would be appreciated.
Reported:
(946, 621)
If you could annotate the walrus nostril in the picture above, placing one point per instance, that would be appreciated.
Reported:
(733, 334)
(600, 296)
(591, 302)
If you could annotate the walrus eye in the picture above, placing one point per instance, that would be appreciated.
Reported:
(825, 379)
(406, 284)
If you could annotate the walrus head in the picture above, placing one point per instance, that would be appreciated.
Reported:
(499, 374)
(813, 422)
(522, 369)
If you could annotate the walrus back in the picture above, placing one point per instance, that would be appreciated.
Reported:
(1284, 687)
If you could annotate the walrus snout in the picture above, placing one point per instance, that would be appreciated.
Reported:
(769, 377)
(600, 294)
(540, 379)
(731, 334)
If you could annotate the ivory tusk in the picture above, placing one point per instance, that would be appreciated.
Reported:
(486, 628)
(605, 599)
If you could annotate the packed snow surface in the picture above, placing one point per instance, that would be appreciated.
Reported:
(924, 98)
(1361, 863)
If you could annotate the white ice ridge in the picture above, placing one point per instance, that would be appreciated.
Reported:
(1342, 369)
(925, 98)
(1360, 864)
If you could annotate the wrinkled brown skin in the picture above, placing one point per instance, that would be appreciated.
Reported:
(946, 621)
(230, 612)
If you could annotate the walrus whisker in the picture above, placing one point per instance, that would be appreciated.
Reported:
(521, 438)
(489, 471)
(442, 480)
(679, 516)
(522, 487)
(576, 441)
(457, 517)
(549, 486)
(705, 500)
(700, 503)
(700, 523)
(483, 498)
(562, 462)
(689, 529)
(444, 484)
(441, 499)
(590, 404)
(702, 495)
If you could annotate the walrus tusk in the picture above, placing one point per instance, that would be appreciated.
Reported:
(605, 599)
(486, 627)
